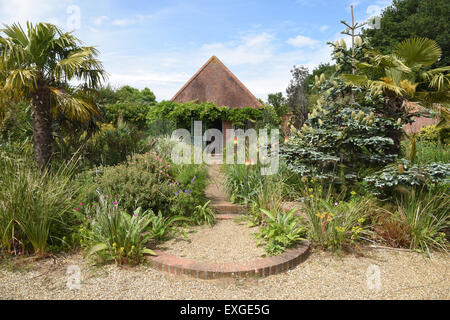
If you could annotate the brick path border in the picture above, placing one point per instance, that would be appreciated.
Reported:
(262, 267)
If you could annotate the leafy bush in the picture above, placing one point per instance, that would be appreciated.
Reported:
(150, 182)
(334, 223)
(112, 145)
(258, 191)
(434, 133)
(35, 207)
(280, 231)
(190, 184)
(127, 103)
(116, 235)
(161, 228)
(245, 184)
(204, 214)
(144, 181)
(15, 123)
(402, 177)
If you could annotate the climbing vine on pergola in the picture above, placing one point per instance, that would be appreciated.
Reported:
(208, 112)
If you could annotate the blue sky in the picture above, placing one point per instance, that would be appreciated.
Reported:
(161, 44)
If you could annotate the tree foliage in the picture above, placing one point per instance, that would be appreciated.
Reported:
(342, 140)
(297, 97)
(130, 103)
(414, 18)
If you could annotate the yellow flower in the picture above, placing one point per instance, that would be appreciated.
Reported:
(114, 245)
(361, 220)
(340, 229)
(321, 215)
(353, 193)
(310, 189)
(122, 248)
(330, 219)
(132, 247)
(311, 196)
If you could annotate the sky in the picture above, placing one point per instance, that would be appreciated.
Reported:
(161, 44)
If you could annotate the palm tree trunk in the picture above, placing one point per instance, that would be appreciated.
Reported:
(42, 125)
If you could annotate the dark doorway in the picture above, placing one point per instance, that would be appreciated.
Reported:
(217, 124)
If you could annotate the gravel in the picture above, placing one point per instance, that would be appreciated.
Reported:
(227, 241)
(404, 275)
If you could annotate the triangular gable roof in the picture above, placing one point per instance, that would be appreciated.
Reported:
(213, 82)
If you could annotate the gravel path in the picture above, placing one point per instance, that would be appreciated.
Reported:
(404, 275)
(227, 241)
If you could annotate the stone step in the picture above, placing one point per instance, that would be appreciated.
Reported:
(228, 208)
(227, 216)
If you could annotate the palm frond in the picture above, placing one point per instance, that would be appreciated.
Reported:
(74, 106)
(409, 87)
(379, 86)
(16, 33)
(421, 51)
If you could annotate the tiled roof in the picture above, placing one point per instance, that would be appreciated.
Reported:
(215, 83)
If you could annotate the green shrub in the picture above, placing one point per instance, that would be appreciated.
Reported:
(242, 182)
(112, 145)
(403, 177)
(280, 231)
(35, 207)
(334, 223)
(116, 235)
(161, 228)
(15, 123)
(433, 133)
(144, 181)
(150, 182)
(203, 214)
(190, 184)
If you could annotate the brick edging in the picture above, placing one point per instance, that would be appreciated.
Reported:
(261, 267)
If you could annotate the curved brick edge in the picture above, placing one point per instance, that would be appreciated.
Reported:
(262, 267)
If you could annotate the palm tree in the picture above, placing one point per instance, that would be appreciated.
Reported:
(406, 75)
(37, 67)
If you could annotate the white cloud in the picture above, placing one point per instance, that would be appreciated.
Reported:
(323, 28)
(98, 21)
(377, 8)
(302, 41)
(252, 49)
(374, 10)
(124, 22)
(21, 11)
